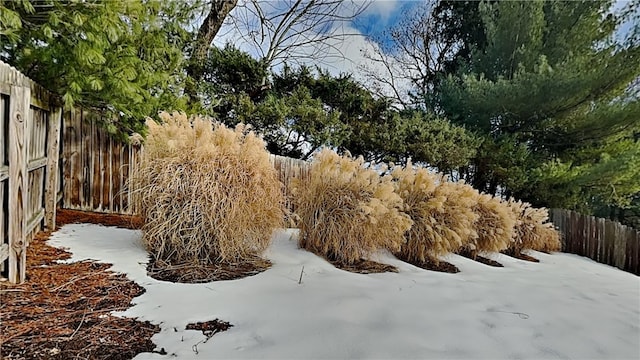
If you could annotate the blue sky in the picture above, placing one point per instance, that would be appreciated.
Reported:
(382, 15)
(368, 34)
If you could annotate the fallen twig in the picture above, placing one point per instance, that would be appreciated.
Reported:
(301, 272)
(79, 325)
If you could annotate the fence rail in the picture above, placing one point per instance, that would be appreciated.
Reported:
(602, 240)
(29, 134)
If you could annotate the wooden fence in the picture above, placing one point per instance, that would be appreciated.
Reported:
(96, 167)
(602, 240)
(90, 170)
(289, 169)
(29, 172)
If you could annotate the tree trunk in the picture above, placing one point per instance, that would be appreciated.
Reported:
(206, 33)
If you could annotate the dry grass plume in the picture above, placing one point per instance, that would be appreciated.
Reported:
(441, 212)
(494, 227)
(532, 229)
(207, 194)
(347, 211)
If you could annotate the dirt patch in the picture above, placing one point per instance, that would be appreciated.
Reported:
(481, 259)
(210, 328)
(520, 256)
(487, 261)
(62, 311)
(194, 274)
(440, 266)
(65, 216)
(365, 267)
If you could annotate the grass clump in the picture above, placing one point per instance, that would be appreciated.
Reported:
(532, 229)
(443, 219)
(348, 211)
(494, 226)
(207, 194)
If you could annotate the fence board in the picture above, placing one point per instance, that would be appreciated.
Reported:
(98, 164)
(52, 172)
(287, 170)
(4, 177)
(18, 118)
(4, 217)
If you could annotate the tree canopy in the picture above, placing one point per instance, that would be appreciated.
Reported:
(551, 78)
(121, 55)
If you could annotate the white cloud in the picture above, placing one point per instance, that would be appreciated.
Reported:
(382, 8)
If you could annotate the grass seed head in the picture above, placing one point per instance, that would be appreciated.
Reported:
(532, 229)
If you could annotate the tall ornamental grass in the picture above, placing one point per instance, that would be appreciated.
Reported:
(348, 211)
(494, 226)
(443, 219)
(532, 229)
(207, 194)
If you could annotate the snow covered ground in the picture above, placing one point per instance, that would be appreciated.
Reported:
(565, 307)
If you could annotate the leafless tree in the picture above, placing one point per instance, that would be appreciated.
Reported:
(416, 56)
(295, 31)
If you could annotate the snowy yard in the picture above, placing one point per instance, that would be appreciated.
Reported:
(565, 307)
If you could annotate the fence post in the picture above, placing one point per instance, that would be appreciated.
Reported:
(51, 184)
(18, 116)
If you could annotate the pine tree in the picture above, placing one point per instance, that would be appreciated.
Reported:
(553, 82)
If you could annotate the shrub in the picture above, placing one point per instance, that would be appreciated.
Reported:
(441, 212)
(207, 194)
(532, 231)
(347, 211)
(494, 227)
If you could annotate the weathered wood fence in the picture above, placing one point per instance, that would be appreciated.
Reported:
(97, 167)
(289, 169)
(602, 240)
(29, 172)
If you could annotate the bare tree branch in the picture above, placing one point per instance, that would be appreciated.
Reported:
(294, 30)
(417, 55)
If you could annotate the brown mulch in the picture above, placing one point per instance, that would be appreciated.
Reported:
(521, 256)
(65, 216)
(440, 266)
(194, 274)
(364, 266)
(481, 259)
(62, 311)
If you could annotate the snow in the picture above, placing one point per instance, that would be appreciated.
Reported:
(565, 307)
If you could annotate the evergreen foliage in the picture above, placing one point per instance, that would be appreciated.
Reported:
(553, 90)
